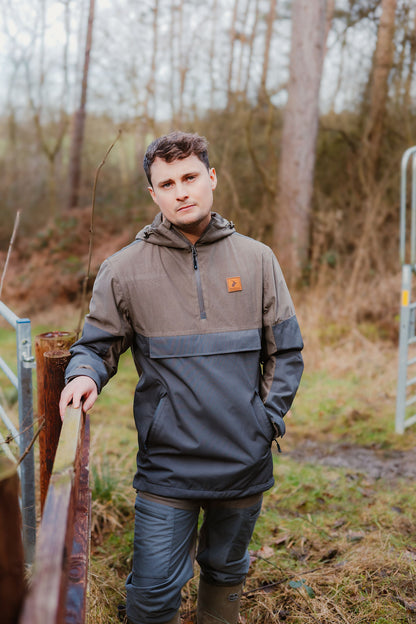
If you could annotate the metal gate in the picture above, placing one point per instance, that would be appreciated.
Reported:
(23, 435)
(407, 342)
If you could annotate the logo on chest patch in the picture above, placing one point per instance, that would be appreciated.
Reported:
(234, 284)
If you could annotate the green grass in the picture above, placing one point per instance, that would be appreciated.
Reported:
(327, 532)
(331, 544)
(8, 393)
(7, 342)
(350, 540)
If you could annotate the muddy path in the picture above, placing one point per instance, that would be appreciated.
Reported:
(374, 463)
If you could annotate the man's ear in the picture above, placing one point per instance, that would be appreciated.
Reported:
(213, 176)
(152, 193)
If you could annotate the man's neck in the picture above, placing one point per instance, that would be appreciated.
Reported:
(194, 233)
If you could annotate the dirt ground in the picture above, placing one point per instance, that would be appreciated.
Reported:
(374, 463)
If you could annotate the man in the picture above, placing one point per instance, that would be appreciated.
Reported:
(215, 340)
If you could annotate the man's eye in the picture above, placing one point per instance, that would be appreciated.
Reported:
(190, 178)
(167, 185)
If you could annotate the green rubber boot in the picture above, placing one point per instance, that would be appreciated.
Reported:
(218, 604)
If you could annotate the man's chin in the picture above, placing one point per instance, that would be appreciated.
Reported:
(190, 222)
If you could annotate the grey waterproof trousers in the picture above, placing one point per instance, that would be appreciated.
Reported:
(165, 538)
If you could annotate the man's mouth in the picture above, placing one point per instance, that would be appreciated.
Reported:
(185, 207)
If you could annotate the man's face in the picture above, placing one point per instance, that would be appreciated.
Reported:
(183, 191)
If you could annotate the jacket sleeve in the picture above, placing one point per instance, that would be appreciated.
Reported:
(281, 345)
(106, 335)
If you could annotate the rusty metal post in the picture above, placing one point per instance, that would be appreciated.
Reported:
(12, 585)
(50, 341)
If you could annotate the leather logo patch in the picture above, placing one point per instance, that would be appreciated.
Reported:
(234, 284)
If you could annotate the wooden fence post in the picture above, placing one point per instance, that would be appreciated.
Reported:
(76, 600)
(49, 341)
(61, 561)
(12, 585)
(55, 363)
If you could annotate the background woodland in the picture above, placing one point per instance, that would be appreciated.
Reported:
(307, 106)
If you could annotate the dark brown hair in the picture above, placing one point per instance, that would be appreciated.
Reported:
(176, 146)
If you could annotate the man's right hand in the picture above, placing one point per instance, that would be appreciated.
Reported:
(80, 388)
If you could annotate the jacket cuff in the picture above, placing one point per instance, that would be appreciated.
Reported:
(84, 371)
(278, 425)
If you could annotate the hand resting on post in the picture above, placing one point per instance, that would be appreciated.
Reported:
(79, 389)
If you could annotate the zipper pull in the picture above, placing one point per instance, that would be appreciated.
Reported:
(195, 258)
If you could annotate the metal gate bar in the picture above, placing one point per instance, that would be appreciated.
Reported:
(23, 383)
(408, 309)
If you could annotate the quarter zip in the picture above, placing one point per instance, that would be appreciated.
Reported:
(195, 257)
(202, 313)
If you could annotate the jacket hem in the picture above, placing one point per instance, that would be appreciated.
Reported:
(187, 493)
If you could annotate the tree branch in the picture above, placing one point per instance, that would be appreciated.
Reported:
(9, 251)
(87, 276)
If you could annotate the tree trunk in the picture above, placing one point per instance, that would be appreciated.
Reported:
(300, 125)
(367, 167)
(251, 40)
(212, 47)
(79, 121)
(182, 66)
(233, 36)
(150, 96)
(410, 74)
(172, 31)
(242, 47)
(382, 64)
(267, 46)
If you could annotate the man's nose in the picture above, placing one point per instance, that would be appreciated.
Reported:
(181, 192)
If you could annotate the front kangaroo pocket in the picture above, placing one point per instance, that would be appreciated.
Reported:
(154, 434)
(262, 418)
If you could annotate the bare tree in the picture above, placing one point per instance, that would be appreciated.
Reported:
(371, 205)
(300, 125)
(242, 38)
(150, 92)
(412, 62)
(50, 123)
(172, 55)
(214, 26)
(382, 65)
(233, 39)
(182, 63)
(79, 120)
(250, 42)
(267, 45)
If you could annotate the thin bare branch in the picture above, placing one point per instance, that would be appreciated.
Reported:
(9, 251)
(33, 440)
(87, 276)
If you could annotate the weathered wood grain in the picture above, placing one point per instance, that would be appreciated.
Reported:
(46, 600)
(48, 341)
(11, 546)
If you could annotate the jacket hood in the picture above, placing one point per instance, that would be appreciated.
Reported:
(162, 232)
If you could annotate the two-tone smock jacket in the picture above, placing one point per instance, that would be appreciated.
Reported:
(216, 344)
